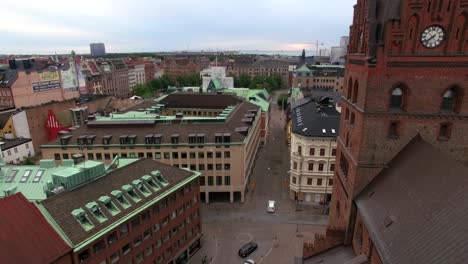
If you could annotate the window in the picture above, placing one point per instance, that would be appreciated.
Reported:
(448, 100)
(135, 222)
(157, 155)
(145, 215)
(227, 180)
(309, 181)
(319, 182)
(167, 155)
(56, 155)
(201, 155)
(209, 154)
(294, 180)
(330, 182)
(112, 238)
(192, 155)
(320, 167)
(444, 131)
(393, 129)
(299, 150)
(322, 152)
(99, 246)
(332, 167)
(124, 229)
(126, 249)
(334, 152)
(312, 152)
(210, 167)
(201, 167)
(219, 154)
(210, 180)
(227, 166)
(396, 99)
(65, 156)
(219, 180)
(114, 257)
(353, 117)
(175, 155)
(355, 92)
(344, 165)
(139, 258)
(294, 165)
(107, 156)
(83, 256)
(227, 154)
(219, 166)
(311, 166)
(137, 240)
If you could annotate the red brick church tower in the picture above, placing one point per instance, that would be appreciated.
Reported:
(406, 74)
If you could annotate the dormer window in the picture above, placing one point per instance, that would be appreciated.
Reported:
(218, 138)
(149, 139)
(106, 140)
(192, 138)
(175, 139)
(94, 209)
(120, 198)
(109, 205)
(64, 140)
(157, 139)
(90, 139)
(227, 137)
(131, 192)
(132, 139)
(83, 219)
(201, 138)
(81, 140)
(149, 180)
(141, 187)
(160, 178)
(124, 139)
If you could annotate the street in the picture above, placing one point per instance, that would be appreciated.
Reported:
(280, 235)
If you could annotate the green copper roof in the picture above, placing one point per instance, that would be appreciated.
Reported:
(257, 97)
(34, 180)
(296, 93)
(303, 68)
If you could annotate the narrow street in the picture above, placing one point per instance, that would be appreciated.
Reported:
(226, 227)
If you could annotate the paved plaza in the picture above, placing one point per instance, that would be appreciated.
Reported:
(280, 236)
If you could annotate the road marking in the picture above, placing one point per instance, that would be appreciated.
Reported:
(248, 234)
(268, 253)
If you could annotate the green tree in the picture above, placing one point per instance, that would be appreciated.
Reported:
(143, 90)
(283, 101)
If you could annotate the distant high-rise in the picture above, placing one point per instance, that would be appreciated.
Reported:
(97, 49)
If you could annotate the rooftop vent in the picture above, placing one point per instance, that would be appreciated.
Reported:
(47, 163)
(324, 131)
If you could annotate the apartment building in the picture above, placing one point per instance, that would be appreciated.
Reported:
(216, 134)
(315, 126)
(321, 77)
(260, 67)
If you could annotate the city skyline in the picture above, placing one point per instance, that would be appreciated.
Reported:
(144, 26)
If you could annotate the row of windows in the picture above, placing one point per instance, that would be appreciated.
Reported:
(310, 166)
(450, 99)
(219, 181)
(157, 155)
(310, 181)
(321, 151)
(124, 229)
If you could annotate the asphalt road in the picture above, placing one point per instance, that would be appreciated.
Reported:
(226, 227)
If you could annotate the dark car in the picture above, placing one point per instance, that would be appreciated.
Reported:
(247, 249)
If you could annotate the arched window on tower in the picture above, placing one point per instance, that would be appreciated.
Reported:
(396, 100)
(350, 88)
(355, 92)
(448, 100)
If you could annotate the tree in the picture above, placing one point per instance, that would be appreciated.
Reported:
(143, 90)
(283, 101)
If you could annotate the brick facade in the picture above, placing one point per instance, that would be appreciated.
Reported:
(386, 56)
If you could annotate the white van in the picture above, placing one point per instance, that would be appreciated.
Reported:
(271, 206)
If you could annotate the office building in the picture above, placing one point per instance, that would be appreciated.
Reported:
(97, 49)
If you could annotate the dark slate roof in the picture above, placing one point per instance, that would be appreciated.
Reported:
(200, 100)
(339, 255)
(61, 205)
(416, 210)
(322, 92)
(4, 117)
(11, 143)
(315, 119)
(234, 120)
(25, 235)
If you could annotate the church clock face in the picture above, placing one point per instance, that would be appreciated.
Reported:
(432, 36)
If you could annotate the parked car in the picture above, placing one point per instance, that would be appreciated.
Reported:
(249, 261)
(271, 206)
(247, 249)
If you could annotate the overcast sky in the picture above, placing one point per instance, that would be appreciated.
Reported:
(48, 26)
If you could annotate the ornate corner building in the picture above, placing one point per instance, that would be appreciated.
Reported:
(406, 74)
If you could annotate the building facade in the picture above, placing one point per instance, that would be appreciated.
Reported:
(16, 150)
(115, 78)
(215, 134)
(254, 67)
(405, 75)
(313, 150)
(320, 77)
(97, 49)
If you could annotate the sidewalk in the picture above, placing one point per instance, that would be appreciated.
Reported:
(208, 249)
